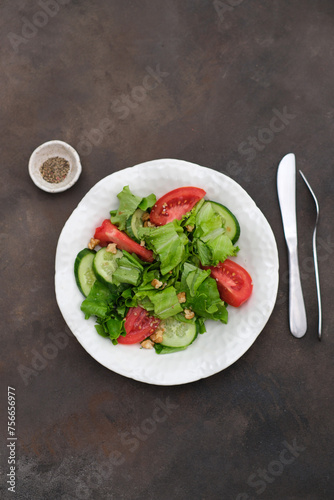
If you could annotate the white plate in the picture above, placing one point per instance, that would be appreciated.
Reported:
(222, 344)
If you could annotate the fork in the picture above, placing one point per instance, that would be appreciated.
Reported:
(315, 255)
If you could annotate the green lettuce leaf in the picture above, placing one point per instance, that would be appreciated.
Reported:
(162, 304)
(128, 204)
(147, 202)
(202, 295)
(210, 241)
(162, 349)
(108, 305)
(166, 303)
(207, 220)
(192, 278)
(96, 304)
(203, 252)
(215, 249)
(128, 270)
(101, 331)
(190, 217)
(115, 327)
(169, 242)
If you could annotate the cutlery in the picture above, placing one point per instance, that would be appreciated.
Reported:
(286, 189)
(315, 255)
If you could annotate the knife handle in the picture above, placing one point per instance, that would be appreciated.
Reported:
(297, 313)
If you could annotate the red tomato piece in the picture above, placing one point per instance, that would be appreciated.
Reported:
(138, 325)
(108, 233)
(175, 204)
(234, 283)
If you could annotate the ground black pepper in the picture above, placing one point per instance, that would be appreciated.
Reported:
(55, 169)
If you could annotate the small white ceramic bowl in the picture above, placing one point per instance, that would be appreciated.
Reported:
(49, 150)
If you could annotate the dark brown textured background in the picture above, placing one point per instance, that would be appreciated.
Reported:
(84, 431)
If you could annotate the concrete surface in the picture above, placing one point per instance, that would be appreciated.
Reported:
(261, 429)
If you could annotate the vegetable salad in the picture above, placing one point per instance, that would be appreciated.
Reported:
(156, 270)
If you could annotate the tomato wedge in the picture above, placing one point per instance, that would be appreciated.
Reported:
(138, 325)
(108, 233)
(175, 204)
(234, 283)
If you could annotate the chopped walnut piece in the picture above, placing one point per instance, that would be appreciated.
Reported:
(148, 224)
(112, 248)
(189, 228)
(157, 335)
(145, 217)
(156, 283)
(181, 297)
(147, 344)
(142, 243)
(93, 243)
(188, 314)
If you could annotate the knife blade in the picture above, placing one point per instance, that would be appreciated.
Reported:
(286, 189)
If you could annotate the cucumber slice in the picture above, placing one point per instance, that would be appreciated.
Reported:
(83, 270)
(231, 225)
(105, 264)
(178, 333)
(133, 223)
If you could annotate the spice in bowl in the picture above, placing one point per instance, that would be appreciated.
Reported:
(55, 170)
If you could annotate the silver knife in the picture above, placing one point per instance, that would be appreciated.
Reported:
(286, 188)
